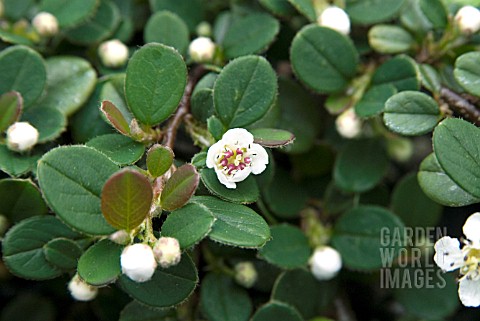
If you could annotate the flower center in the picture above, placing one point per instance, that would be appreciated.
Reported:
(471, 264)
(233, 160)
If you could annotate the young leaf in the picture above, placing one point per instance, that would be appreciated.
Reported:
(126, 199)
(180, 187)
(11, 105)
(115, 117)
(271, 137)
(159, 160)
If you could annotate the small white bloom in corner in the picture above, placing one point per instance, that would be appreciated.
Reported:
(202, 49)
(449, 257)
(138, 262)
(113, 53)
(348, 124)
(235, 156)
(468, 19)
(80, 290)
(245, 274)
(21, 136)
(46, 24)
(167, 251)
(335, 18)
(325, 263)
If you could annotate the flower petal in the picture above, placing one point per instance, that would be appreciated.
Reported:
(212, 153)
(241, 175)
(238, 137)
(471, 228)
(259, 158)
(222, 178)
(469, 292)
(448, 255)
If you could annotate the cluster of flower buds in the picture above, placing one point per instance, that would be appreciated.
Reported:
(335, 18)
(113, 53)
(468, 19)
(46, 24)
(21, 136)
(325, 263)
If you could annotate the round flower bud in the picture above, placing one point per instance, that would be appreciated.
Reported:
(120, 237)
(167, 252)
(202, 49)
(138, 262)
(245, 274)
(204, 29)
(113, 53)
(348, 124)
(325, 263)
(400, 149)
(21, 136)
(80, 290)
(468, 19)
(335, 18)
(46, 24)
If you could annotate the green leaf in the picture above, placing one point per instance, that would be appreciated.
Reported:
(372, 11)
(120, 149)
(22, 69)
(222, 300)
(100, 264)
(305, 7)
(235, 224)
(70, 81)
(49, 122)
(72, 14)
(360, 235)
(215, 127)
(20, 199)
(390, 39)
(271, 137)
(189, 224)
(250, 34)
(246, 191)
(440, 187)
(360, 165)
(192, 12)
(411, 113)
(176, 283)
(62, 253)
(288, 248)
(15, 164)
(135, 311)
(275, 311)
(199, 160)
(373, 102)
(436, 12)
(455, 143)
(115, 117)
(151, 65)
(167, 28)
(430, 78)
(180, 187)
(323, 68)
(244, 91)
(23, 244)
(71, 179)
(401, 72)
(280, 8)
(159, 160)
(126, 199)
(202, 104)
(11, 106)
(113, 90)
(16, 9)
(467, 72)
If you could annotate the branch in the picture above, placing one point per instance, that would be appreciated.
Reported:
(461, 105)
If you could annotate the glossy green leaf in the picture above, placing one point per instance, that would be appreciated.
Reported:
(20, 199)
(430, 78)
(222, 300)
(235, 224)
(192, 11)
(22, 69)
(73, 190)
(16, 9)
(167, 28)
(246, 191)
(436, 12)
(15, 164)
(135, 311)
(199, 160)
(62, 253)
(159, 160)
(100, 264)
(373, 102)
(151, 65)
(167, 287)
(372, 11)
(401, 72)
(122, 150)
(244, 91)
(305, 7)
(321, 67)
(360, 236)
(215, 127)
(467, 72)
(49, 122)
(271, 137)
(11, 106)
(390, 39)
(288, 248)
(72, 14)
(180, 187)
(275, 311)
(22, 246)
(115, 117)
(280, 8)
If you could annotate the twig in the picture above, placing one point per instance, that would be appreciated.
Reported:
(461, 105)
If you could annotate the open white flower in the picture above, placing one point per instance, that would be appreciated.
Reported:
(138, 262)
(449, 257)
(468, 19)
(80, 290)
(21, 136)
(335, 18)
(235, 156)
(325, 263)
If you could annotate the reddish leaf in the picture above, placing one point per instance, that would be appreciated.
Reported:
(115, 117)
(180, 187)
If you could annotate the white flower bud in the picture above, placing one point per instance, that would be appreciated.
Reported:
(21, 136)
(325, 263)
(167, 252)
(138, 262)
(400, 149)
(204, 29)
(245, 274)
(113, 53)
(46, 24)
(80, 290)
(468, 19)
(120, 237)
(202, 49)
(335, 18)
(348, 124)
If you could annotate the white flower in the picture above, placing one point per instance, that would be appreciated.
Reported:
(468, 19)
(449, 257)
(46, 24)
(335, 18)
(138, 262)
(202, 49)
(348, 124)
(235, 156)
(325, 263)
(167, 251)
(245, 274)
(21, 136)
(113, 53)
(80, 290)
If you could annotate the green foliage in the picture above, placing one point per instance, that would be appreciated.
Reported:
(180, 187)
(100, 264)
(167, 28)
